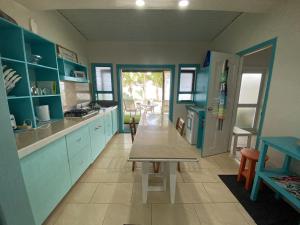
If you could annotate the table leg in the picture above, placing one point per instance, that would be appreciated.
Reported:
(145, 180)
(260, 167)
(233, 152)
(172, 174)
(249, 141)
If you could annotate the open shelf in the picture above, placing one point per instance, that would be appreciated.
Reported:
(21, 108)
(55, 105)
(43, 78)
(66, 70)
(11, 33)
(74, 79)
(17, 97)
(22, 87)
(17, 47)
(266, 175)
(36, 45)
(45, 96)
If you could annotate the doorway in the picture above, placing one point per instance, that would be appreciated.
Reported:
(144, 93)
(144, 89)
(252, 96)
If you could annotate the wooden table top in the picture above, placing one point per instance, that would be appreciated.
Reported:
(158, 140)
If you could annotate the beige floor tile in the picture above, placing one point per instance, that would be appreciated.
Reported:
(81, 193)
(218, 192)
(220, 214)
(226, 162)
(224, 171)
(52, 218)
(191, 193)
(101, 163)
(153, 197)
(109, 176)
(82, 214)
(119, 214)
(202, 175)
(113, 193)
(176, 214)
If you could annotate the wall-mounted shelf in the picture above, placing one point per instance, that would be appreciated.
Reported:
(17, 47)
(74, 79)
(66, 69)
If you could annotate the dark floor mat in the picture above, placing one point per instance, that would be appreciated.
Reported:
(266, 210)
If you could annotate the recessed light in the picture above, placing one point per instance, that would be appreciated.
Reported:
(140, 3)
(183, 3)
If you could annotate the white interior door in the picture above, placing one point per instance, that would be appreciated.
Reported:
(217, 140)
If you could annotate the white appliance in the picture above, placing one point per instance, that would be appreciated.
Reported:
(42, 113)
(192, 125)
(13, 121)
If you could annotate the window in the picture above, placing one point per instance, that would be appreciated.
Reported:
(186, 83)
(103, 81)
(249, 101)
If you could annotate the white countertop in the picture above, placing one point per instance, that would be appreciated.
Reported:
(32, 140)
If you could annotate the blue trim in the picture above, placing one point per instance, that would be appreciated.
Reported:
(120, 67)
(270, 43)
(197, 66)
(94, 86)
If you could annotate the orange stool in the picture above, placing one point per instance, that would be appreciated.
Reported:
(252, 156)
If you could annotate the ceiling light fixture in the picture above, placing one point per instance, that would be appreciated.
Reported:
(140, 3)
(183, 3)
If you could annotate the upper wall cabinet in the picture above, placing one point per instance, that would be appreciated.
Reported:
(71, 71)
(31, 60)
(10, 33)
(39, 51)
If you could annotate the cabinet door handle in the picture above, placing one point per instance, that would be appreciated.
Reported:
(79, 139)
(98, 127)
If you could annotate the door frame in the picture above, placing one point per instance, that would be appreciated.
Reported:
(258, 47)
(120, 67)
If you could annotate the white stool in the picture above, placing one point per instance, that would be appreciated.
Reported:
(238, 132)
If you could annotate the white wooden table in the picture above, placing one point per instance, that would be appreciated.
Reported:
(157, 140)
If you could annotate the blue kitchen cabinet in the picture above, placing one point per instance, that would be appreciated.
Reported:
(47, 178)
(114, 120)
(108, 126)
(79, 152)
(97, 133)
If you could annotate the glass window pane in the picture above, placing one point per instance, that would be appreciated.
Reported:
(185, 97)
(186, 81)
(167, 87)
(101, 96)
(103, 79)
(250, 88)
(245, 117)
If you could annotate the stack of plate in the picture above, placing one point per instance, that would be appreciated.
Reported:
(10, 78)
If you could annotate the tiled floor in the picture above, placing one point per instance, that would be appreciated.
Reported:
(110, 194)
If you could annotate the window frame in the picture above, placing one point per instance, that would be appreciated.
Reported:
(257, 106)
(197, 69)
(95, 92)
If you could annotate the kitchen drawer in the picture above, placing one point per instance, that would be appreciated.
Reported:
(79, 163)
(97, 134)
(77, 140)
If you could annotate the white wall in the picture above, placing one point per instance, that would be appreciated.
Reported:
(51, 25)
(283, 109)
(149, 53)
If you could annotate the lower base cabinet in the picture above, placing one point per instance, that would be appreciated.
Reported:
(47, 178)
(50, 172)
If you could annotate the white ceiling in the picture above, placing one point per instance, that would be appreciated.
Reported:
(149, 25)
(222, 5)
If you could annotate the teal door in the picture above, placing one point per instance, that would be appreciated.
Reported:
(97, 132)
